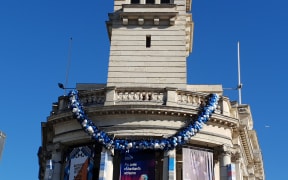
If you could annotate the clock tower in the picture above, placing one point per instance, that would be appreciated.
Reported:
(150, 41)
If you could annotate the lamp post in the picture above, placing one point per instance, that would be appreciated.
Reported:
(61, 86)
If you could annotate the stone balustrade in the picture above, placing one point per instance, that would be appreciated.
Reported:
(141, 96)
(153, 96)
(190, 98)
(95, 97)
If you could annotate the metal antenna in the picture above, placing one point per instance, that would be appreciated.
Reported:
(68, 64)
(239, 87)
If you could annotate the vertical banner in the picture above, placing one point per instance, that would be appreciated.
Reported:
(49, 170)
(231, 172)
(197, 164)
(78, 168)
(79, 164)
(138, 166)
(103, 165)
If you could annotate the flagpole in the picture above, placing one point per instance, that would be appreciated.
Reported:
(68, 64)
(239, 87)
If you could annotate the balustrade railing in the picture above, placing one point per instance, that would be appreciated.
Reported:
(191, 98)
(140, 95)
(146, 96)
(96, 97)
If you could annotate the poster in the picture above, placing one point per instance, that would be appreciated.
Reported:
(79, 164)
(231, 172)
(197, 164)
(78, 168)
(138, 166)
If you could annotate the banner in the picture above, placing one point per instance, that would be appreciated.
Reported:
(48, 175)
(197, 164)
(138, 166)
(78, 168)
(231, 172)
(79, 164)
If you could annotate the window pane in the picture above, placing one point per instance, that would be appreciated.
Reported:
(150, 1)
(148, 41)
(135, 1)
(165, 1)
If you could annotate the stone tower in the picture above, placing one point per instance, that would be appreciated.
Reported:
(150, 41)
(147, 122)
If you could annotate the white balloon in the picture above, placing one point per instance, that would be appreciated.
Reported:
(90, 130)
(156, 146)
(129, 145)
(84, 123)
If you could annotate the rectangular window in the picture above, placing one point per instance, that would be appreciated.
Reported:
(135, 1)
(148, 41)
(165, 1)
(150, 1)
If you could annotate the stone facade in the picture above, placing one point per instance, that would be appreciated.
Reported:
(147, 97)
(229, 133)
(149, 44)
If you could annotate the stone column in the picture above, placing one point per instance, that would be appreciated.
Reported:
(56, 160)
(225, 160)
(237, 160)
(216, 168)
(106, 165)
(169, 165)
(239, 175)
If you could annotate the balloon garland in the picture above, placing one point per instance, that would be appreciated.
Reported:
(169, 143)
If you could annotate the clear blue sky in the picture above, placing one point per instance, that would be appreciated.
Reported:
(34, 41)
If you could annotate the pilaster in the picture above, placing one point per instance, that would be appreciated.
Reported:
(251, 172)
(239, 174)
(225, 160)
(110, 96)
(237, 159)
(56, 153)
(171, 97)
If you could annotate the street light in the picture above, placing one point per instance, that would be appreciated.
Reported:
(61, 86)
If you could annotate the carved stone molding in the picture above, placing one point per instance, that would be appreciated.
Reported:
(224, 150)
(56, 147)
